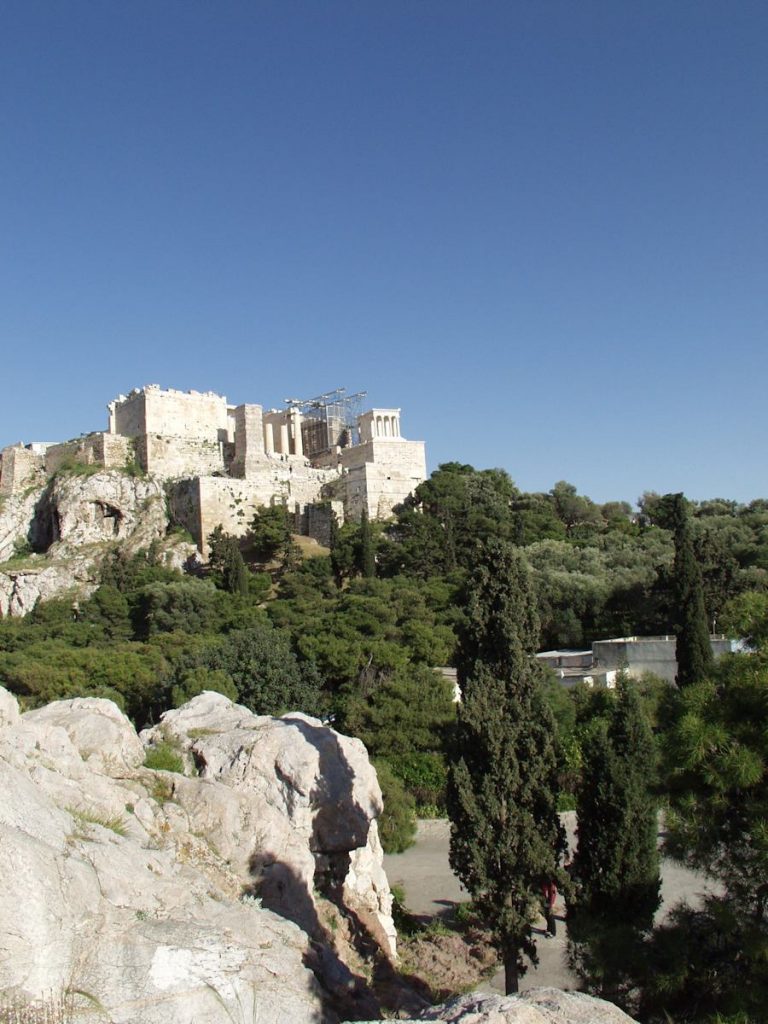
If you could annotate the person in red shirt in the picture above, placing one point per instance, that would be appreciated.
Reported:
(549, 894)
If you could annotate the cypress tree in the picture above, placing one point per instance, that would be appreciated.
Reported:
(333, 544)
(502, 795)
(616, 866)
(693, 648)
(226, 559)
(234, 573)
(367, 564)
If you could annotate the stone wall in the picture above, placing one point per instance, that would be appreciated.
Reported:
(115, 451)
(381, 474)
(171, 457)
(249, 441)
(99, 449)
(19, 468)
(189, 414)
(316, 521)
(206, 502)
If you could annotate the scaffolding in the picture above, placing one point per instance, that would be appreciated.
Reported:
(329, 420)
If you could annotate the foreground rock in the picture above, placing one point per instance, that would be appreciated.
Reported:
(537, 1006)
(163, 898)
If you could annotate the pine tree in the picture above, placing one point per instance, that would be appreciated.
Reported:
(693, 648)
(710, 961)
(616, 866)
(505, 833)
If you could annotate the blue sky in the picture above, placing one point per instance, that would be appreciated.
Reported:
(539, 228)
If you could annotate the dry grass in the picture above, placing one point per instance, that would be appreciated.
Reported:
(53, 1009)
(309, 547)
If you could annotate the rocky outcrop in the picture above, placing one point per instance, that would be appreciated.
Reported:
(537, 1006)
(17, 513)
(39, 580)
(158, 897)
(316, 796)
(107, 506)
(68, 525)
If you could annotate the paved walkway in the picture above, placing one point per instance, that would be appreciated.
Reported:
(431, 889)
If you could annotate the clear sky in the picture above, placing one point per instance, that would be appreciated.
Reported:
(538, 227)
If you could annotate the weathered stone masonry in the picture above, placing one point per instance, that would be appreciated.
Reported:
(220, 462)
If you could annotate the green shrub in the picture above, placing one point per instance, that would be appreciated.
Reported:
(405, 922)
(179, 532)
(195, 681)
(74, 467)
(133, 469)
(114, 822)
(424, 775)
(397, 823)
(21, 548)
(164, 758)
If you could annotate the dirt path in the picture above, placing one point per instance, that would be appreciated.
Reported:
(432, 890)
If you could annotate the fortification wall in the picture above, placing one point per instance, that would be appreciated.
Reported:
(208, 501)
(249, 441)
(19, 468)
(171, 413)
(316, 521)
(115, 451)
(381, 474)
(99, 449)
(173, 457)
(395, 452)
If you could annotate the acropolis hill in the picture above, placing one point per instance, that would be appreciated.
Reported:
(219, 462)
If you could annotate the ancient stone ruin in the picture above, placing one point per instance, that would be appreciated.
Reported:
(220, 462)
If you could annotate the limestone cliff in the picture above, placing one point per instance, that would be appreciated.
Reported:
(64, 528)
(163, 898)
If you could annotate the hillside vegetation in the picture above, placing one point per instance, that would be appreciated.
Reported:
(354, 635)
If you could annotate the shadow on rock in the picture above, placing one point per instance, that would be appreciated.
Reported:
(347, 996)
(340, 825)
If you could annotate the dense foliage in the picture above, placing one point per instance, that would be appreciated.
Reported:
(717, 769)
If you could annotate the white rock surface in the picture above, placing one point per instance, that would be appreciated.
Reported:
(98, 729)
(21, 589)
(536, 1006)
(128, 884)
(16, 514)
(9, 709)
(107, 506)
(72, 521)
(307, 797)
